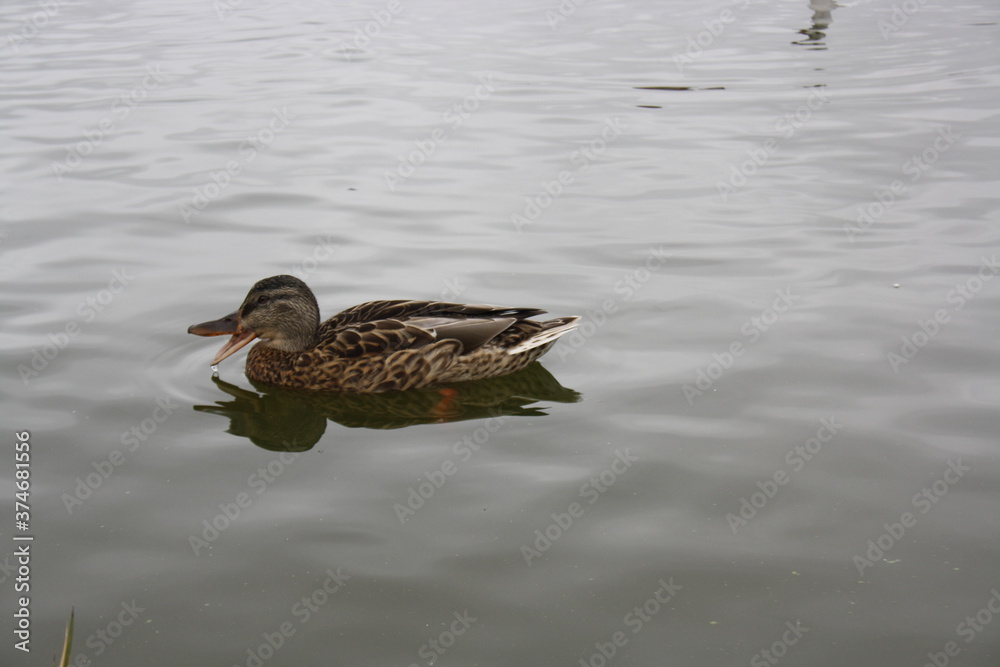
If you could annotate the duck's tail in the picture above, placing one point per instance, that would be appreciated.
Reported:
(551, 330)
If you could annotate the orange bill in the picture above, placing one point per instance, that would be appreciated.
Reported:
(230, 324)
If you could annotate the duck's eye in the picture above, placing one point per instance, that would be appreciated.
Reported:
(262, 298)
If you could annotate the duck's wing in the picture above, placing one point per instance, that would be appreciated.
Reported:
(404, 310)
(364, 338)
(391, 335)
(470, 332)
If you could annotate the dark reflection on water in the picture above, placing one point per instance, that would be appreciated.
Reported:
(678, 88)
(281, 419)
(821, 19)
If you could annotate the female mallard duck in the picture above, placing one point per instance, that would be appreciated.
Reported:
(380, 345)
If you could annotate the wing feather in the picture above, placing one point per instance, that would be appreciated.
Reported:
(369, 338)
(384, 327)
(403, 310)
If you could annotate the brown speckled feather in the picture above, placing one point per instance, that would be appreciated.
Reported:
(403, 310)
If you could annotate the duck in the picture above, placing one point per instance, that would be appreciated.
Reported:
(377, 346)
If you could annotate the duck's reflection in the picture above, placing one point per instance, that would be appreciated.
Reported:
(821, 19)
(282, 419)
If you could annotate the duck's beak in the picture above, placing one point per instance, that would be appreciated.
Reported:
(230, 324)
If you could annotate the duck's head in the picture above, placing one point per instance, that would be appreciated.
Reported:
(281, 311)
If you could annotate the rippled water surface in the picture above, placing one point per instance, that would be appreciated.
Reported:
(772, 441)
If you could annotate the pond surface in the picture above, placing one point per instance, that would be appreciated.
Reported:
(772, 441)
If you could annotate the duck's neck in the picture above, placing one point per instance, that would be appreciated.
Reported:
(297, 336)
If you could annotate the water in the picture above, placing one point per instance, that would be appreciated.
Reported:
(757, 442)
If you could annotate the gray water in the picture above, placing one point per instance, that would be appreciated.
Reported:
(772, 441)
